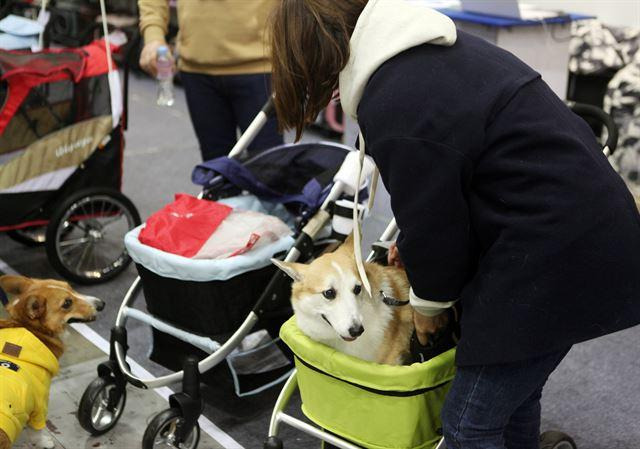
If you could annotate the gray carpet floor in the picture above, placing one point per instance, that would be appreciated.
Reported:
(594, 395)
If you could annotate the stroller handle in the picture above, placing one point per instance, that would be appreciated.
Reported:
(587, 110)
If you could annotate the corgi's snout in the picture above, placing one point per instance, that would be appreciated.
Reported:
(356, 330)
(97, 303)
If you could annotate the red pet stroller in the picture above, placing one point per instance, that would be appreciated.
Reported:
(61, 147)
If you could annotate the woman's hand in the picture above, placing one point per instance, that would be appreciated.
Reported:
(425, 325)
(393, 257)
(429, 325)
(148, 57)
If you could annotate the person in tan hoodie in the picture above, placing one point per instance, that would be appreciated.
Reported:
(223, 63)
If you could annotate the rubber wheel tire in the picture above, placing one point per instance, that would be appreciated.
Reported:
(272, 443)
(89, 398)
(20, 237)
(56, 218)
(553, 438)
(159, 422)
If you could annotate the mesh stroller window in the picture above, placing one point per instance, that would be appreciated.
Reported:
(40, 64)
(55, 105)
(4, 90)
(287, 169)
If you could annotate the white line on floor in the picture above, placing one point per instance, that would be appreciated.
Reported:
(6, 268)
(205, 423)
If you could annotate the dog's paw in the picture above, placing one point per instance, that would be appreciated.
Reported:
(40, 439)
(46, 441)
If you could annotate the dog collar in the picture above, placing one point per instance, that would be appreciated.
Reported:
(392, 302)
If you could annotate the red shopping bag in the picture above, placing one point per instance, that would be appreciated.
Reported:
(182, 227)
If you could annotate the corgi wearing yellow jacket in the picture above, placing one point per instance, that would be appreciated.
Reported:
(30, 346)
(27, 373)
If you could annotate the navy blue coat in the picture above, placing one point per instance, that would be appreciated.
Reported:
(503, 199)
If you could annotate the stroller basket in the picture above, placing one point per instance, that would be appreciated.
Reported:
(374, 406)
(210, 298)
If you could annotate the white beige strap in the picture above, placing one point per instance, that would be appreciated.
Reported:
(105, 30)
(374, 187)
(357, 235)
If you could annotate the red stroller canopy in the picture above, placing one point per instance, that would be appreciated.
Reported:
(23, 70)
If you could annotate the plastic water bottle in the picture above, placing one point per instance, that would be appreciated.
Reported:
(164, 76)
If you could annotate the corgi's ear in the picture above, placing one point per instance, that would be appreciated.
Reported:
(14, 285)
(294, 270)
(347, 245)
(35, 307)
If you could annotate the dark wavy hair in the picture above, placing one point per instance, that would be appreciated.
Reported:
(309, 48)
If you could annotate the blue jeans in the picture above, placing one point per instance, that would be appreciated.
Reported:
(497, 406)
(219, 104)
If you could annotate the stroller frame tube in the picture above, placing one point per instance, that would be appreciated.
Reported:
(278, 416)
(206, 344)
(203, 366)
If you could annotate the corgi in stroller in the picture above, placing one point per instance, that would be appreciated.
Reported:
(61, 146)
(204, 309)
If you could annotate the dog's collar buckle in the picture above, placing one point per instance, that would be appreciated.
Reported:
(392, 302)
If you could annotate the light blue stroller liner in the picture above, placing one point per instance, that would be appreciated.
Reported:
(202, 270)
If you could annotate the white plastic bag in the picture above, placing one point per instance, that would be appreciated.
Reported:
(240, 232)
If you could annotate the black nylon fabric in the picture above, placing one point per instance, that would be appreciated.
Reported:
(504, 200)
(288, 168)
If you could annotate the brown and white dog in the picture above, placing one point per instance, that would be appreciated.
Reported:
(30, 346)
(331, 306)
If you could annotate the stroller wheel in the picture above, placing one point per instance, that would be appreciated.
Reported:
(85, 236)
(161, 431)
(29, 236)
(101, 406)
(553, 439)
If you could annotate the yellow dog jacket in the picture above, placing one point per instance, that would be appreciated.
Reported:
(26, 369)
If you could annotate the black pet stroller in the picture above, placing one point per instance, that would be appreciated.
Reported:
(61, 146)
(209, 317)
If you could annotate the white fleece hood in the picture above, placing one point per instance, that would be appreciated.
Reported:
(384, 29)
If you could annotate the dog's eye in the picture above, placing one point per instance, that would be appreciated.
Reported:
(357, 289)
(67, 303)
(329, 294)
